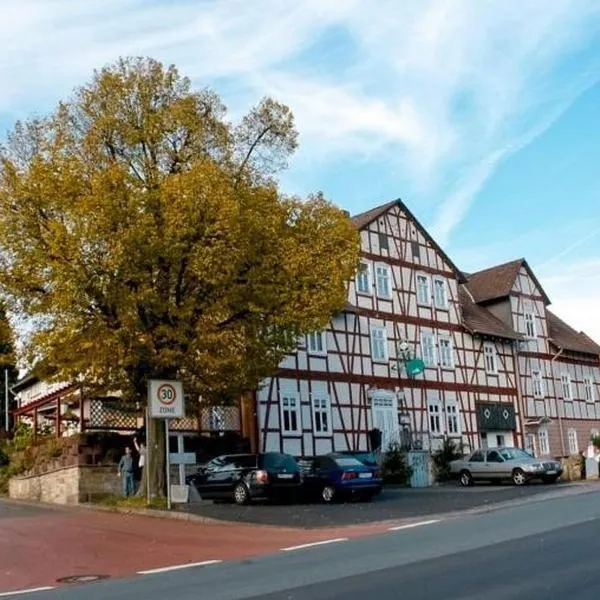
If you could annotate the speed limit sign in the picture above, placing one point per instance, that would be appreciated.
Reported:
(165, 399)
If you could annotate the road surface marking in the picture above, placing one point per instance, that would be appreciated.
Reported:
(204, 563)
(411, 525)
(29, 591)
(311, 545)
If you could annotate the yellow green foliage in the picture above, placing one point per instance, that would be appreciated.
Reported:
(144, 234)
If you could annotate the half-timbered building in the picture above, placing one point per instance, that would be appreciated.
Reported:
(499, 368)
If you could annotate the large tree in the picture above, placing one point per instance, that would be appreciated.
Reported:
(145, 235)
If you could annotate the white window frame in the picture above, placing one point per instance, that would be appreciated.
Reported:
(531, 443)
(573, 441)
(566, 387)
(435, 417)
(453, 419)
(366, 273)
(588, 389)
(530, 322)
(312, 345)
(544, 442)
(446, 351)
(387, 278)
(321, 413)
(289, 402)
(376, 340)
(423, 299)
(443, 304)
(490, 358)
(434, 358)
(537, 384)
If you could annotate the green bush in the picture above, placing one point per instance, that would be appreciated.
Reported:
(394, 466)
(443, 457)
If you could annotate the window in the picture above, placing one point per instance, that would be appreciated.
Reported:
(440, 295)
(428, 349)
(416, 250)
(290, 413)
(573, 441)
(321, 414)
(379, 350)
(566, 386)
(594, 434)
(537, 384)
(423, 293)
(446, 358)
(435, 422)
(494, 456)
(316, 342)
(477, 456)
(452, 419)
(544, 441)
(363, 280)
(588, 390)
(383, 242)
(530, 443)
(489, 356)
(382, 279)
(530, 325)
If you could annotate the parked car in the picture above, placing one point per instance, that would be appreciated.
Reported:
(335, 476)
(498, 464)
(246, 477)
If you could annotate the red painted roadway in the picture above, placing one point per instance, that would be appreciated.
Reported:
(39, 546)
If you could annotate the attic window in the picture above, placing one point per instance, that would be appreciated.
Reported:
(416, 250)
(383, 242)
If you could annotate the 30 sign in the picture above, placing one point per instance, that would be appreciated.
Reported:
(165, 399)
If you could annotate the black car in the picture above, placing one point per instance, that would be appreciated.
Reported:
(246, 477)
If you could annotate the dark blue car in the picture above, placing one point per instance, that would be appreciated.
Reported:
(336, 476)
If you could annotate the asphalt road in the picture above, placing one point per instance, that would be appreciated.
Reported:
(538, 550)
(393, 503)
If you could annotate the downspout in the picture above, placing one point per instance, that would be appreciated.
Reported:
(560, 425)
(520, 403)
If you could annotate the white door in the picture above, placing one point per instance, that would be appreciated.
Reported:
(497, 439)
(384, 416)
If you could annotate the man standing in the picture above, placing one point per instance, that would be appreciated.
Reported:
(125, 471)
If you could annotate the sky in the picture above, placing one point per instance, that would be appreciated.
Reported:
(482, 116)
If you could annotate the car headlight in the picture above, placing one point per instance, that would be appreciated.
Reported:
(534, 467)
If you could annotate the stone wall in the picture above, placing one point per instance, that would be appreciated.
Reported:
(69, 485)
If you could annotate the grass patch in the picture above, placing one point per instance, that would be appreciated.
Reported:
(135, 502)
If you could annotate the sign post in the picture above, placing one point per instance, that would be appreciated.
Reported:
(165, 401)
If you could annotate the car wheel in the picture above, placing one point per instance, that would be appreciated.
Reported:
(465, 478)
(328, 493)
(241, 495)
(519, 477)
(550, 479)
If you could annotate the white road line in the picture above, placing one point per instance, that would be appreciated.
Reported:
(412, 525)
(311, 545)
(28, 591)
(204, 563)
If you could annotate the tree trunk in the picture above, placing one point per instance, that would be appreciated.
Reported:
(155, 469)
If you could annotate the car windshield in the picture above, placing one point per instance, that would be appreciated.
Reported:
(514, 454)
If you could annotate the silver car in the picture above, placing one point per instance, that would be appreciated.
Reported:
(498, 464)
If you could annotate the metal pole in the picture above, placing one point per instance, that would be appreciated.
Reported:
(167, 465)
(180, 450)
(6, 400)
(148, 451)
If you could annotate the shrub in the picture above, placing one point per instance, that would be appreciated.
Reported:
(443, 457)
(394, 466)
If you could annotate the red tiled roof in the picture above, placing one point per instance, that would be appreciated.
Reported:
(564, 336)
(361, 220)
(478, 319)
(497, 282)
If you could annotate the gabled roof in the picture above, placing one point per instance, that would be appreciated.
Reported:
(364, 219)
(564, 336)
(479, 320)
(497, 282)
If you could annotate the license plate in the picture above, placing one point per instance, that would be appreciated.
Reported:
(365, 475)
(285, 476)
(550, 472)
